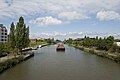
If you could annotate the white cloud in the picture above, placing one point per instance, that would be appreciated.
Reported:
(48, 20)
(72, 16)
(79, 9)
(108, 15)
(74, 35)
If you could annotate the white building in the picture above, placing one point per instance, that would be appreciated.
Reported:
(117, 43)
(3, 33)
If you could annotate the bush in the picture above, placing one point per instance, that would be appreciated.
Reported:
(91, 51)
(1, 67)
(81, 48)
(21, 58)
(117, 59)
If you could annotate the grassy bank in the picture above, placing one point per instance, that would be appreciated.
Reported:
(10, 63)
(13, 61)
(38, 43)
(106, 54)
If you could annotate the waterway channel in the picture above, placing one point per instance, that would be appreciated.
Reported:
(73, 64)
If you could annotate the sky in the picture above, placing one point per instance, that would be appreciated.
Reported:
(63, 19)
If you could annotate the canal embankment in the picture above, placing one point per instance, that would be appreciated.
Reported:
(112, 56)
(12, 60)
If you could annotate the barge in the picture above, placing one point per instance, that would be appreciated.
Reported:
(60, 47)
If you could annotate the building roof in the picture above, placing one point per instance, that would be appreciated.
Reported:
(1, 25)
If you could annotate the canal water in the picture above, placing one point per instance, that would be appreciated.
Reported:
(73, 64)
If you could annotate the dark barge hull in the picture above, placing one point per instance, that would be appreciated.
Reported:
(60, 49)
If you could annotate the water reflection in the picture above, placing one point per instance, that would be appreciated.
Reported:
(60, 51)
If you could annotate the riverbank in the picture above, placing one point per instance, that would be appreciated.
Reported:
(73, 64)
(35, 47)
(11, 61)
(7, 62)
(32, 43)
(112, 56)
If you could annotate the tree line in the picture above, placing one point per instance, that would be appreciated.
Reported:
(49, 40)
(106, 43)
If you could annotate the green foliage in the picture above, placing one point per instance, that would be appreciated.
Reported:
(69, 41)
(10, 63)
(50, 41)
(20, 33)
(4, 49)
(99, 43)
(91, 51)
(32, 43)
(43, 42)
(20, 58)
(117, 59)
(106, 43)
(19, 36)
(89, 42)
(57, 41)
(12, 36)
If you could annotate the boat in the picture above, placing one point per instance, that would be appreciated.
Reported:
(34, 48)
(60, 47)
(40, 46)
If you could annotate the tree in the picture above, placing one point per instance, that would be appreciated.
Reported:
(22, 34)
(96, 38)
(85, 37)
(109, 42)
(106, 43)
(12, 36)
(26, 37)
(19, 37)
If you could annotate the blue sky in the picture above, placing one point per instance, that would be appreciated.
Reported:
(64, 18)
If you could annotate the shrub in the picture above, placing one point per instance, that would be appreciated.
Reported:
(91, 51)
(21, 58)
(81, 48)
(117, 59)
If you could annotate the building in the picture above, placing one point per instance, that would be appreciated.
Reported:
(3, 33)
(117, 43)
